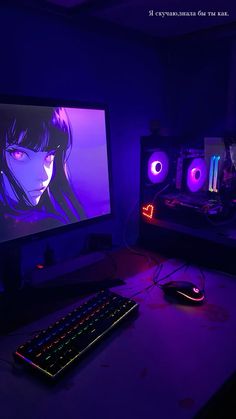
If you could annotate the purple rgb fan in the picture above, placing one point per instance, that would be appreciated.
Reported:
(158, 167)
(196, 174)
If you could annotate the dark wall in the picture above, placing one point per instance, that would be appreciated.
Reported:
(46, 55)
(188, 84)
(201, 86)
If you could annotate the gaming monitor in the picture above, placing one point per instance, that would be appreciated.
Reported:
(54, 168)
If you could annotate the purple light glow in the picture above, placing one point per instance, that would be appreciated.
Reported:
(158, 167)
(196, 175)
(87, 163)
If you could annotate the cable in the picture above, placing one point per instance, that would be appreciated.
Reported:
(159, 192)
(157, 274)
(114, 262)
(146, 256)
(143, 290)
(203, 279)
(130, 248)
(156, 281)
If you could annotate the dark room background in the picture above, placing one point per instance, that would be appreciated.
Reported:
(186, 83)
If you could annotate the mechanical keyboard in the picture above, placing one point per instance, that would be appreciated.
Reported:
(54, 349)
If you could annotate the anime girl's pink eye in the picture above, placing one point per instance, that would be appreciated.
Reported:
(18, 155)
(50, 157)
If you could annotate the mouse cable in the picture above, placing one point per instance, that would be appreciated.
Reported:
(126, 224)
(203, 278)
(156, 281)
(132, 249)
(156, 273)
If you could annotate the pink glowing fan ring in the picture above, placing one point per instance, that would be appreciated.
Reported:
(196, 174)
(158, 167)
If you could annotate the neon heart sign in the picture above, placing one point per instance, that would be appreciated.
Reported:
(148, 211)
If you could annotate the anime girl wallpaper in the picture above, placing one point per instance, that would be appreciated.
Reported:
(37, 191)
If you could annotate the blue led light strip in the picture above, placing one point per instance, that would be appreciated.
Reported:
(213, 174)
(217, 158)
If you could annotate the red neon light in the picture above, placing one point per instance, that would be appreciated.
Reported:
(148, 211)
(39, 266)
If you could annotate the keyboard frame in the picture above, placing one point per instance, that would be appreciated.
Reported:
(20, 358)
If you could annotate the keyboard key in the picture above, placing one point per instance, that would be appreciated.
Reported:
(58, 346)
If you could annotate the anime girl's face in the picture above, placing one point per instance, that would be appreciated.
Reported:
(32, 170)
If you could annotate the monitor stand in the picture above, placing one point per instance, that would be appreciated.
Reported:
(10, 267)
(64, 272)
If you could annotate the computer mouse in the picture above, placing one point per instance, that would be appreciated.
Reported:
(183, 292)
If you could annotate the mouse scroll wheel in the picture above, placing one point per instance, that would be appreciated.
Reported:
(196, 290)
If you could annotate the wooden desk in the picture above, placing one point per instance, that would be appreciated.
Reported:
(167, 363)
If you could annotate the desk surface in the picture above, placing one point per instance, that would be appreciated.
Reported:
(166, 363)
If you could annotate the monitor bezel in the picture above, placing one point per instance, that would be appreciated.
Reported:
(69, 103)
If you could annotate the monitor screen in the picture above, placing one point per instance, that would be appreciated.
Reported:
(53, 167)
